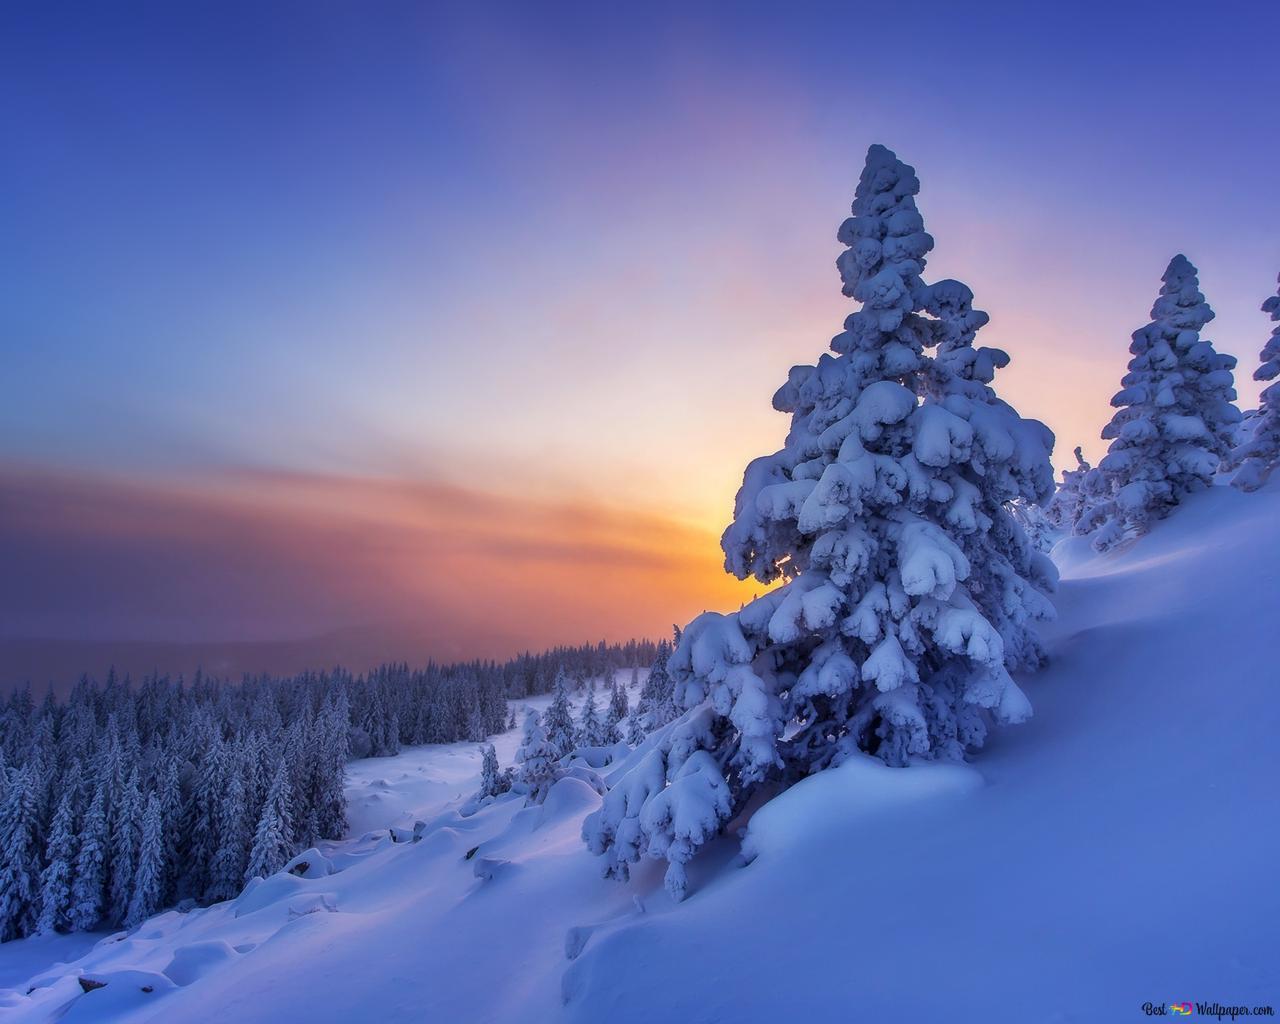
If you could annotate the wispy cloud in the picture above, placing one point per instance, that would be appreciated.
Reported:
(257, 556)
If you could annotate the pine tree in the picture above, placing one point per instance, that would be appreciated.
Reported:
(590, 727)
(657, 699)
(88, 890)
(169, 794)
(19, 857)
(493, 782)
(1067, 503)
(1259, 451)
(226, 872)
(558, 721)
(511, 720)
(635, 728)
(1175, 416)
(202, 832)
(149, 880)
(55, 882)
(616, 713)
(271, 846)
(538, 764)
(908, 589)
(126, 833)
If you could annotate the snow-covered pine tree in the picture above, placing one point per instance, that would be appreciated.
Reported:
(590, 725)
(125, 833)
(635, 727)
(1259, 451)
(88, 889)
(489, 773)
(537, 762)
(169, 793)
(149, 879)
(657, 698)
(1066, 505)
(614, 716)
(909, 588)
(511, 720)
(19, 856)
(557, 723)
(271, 845)
(226, 872)
(60, 851)
(1175, 416)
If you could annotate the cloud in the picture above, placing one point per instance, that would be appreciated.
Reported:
(328, 563)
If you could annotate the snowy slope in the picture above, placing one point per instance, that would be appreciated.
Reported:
(1119, 848)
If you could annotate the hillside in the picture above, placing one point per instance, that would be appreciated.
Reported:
(1117, 849)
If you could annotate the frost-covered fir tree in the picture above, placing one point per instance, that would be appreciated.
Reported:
(148, 880)
(19, 855)
(493, 781)
(657, 698)
(909, 590)
(1259, 451)
(125, 834)
(55, 882)
(226, 872)
(614, 716)
(590, 725)
(557, 722)
(635, 727)
(89, 885)
(272, 847)
(537, 762)
(1175, 416)
(1066, 505)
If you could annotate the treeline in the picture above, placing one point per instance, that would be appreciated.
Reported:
(126, 798)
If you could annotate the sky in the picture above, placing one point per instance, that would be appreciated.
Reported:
(460, 322)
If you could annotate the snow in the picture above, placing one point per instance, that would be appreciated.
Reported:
(1118, 848)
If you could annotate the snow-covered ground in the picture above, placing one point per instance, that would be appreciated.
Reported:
(1117, 849)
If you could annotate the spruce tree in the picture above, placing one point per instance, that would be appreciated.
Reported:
(908, 590)
(19, 857)
(493, 782)
(149, 879)
(1066, 505)
(537, 762)
(657, 698)
(1175, 417)
(615, 715)
(226, 872)
(635, 727)
(55, 882)
(126, 833)
(88, 889)
(271, 844)
(590, 727)
(557, 723)
(1259, 451)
